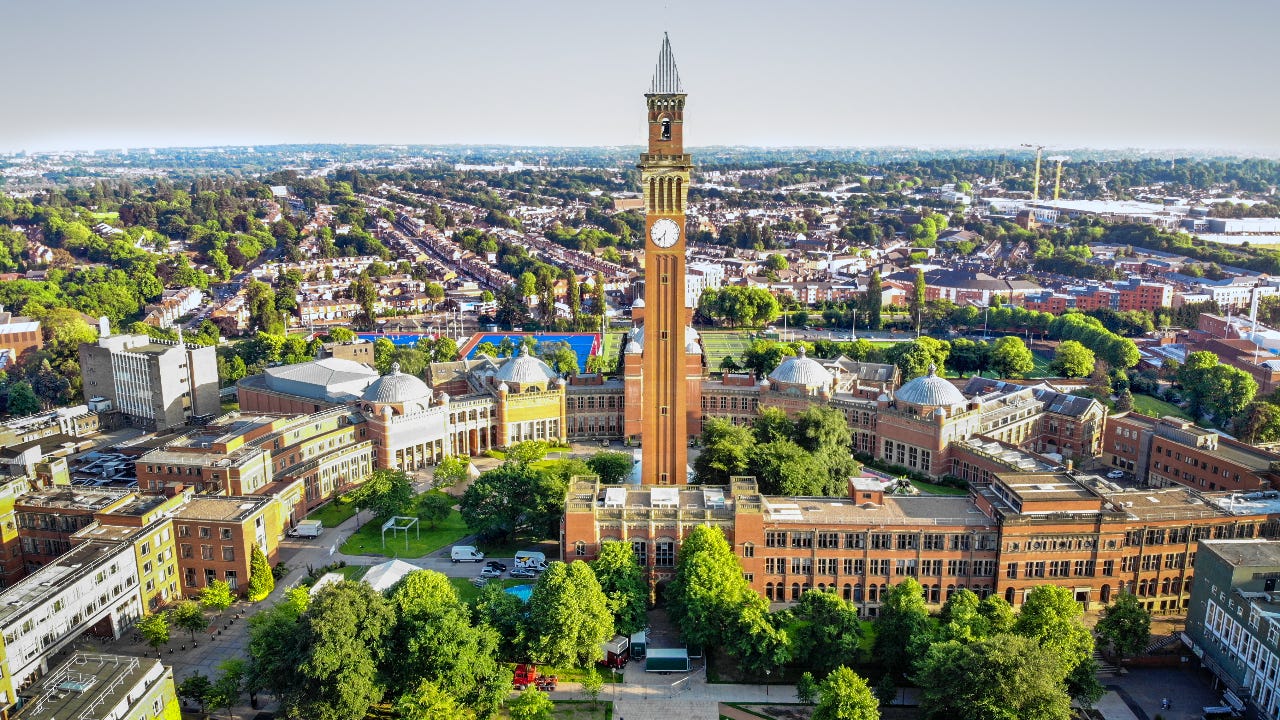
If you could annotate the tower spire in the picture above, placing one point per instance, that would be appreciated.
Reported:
(666, 78)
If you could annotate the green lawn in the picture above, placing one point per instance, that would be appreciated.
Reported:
(368, 539)
(1042, 368)
(720, 344)
(353, 572)
(611, 348)
(469, 593)
(1155, 407)
(334, 513)
(932, 489)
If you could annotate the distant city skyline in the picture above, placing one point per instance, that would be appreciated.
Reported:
(1141, 74)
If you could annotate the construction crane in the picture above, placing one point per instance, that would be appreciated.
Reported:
(1057, 180)
(1035, 188)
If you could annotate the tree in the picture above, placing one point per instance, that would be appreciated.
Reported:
(342, 334)
(1010, 357)
(1004, 677)
(725, 451)
(916, 300)
(622, 580)
(387, 493)
(451, 471)
(435, 507)
(1124, 401)
(772, 424)
(154, 628)
(902, 621)
(827, 631)
(341, 643)
(915, 358)
(261, 581)
(197, 689)
(806, 689)
(592, 684)
(229, 686)
(428, 702)
(713, 605)
(569, 616)
(532, 704)
(612, 467)
(1257, 423)
(1126, 625)
(22, 400)
(873, 301)
(1072, 359)
(1051, 616)
(785, 468)
(998, 614)
(512, 499)
(844, 695)
(217, 596)
(434, 637)
(188, 615)
(886, 690)
(365, 293)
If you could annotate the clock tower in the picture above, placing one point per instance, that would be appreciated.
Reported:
(664, 175)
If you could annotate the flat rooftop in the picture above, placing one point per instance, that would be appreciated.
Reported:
(227, 509)
(1246, 553)
(1174, 503)
(1045, 487)
(89, 685)
(72, 498)
(28, 593)
(942, 510)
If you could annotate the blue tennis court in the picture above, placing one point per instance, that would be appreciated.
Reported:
(584, 344)
(409, 340)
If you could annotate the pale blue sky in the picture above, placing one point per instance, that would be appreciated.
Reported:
(1101, 73)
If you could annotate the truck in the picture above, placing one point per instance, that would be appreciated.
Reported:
(639, 641)
(666, 660)
(307, 529)
(526, 674)
(465, 553)
(531, 560)
(616, 652)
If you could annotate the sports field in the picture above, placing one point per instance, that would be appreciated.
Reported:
(584, 344)
(720, 344)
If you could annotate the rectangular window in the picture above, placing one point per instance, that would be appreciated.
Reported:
(933, 542)
(189, 578)
(1108, 567)
(232, 580)
(829, 540)
(1011, 571)
(206, 552)
(664, 554)
(204, 532)
(186, 550)
(774, 566)
(748, 550)
(802, 566)
(774, 538)
(184, 531)
(228, 553)
(855, 541)
(905, 567)
(801, 539)
(880, 541)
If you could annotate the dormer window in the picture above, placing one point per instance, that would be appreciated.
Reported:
(666, 128)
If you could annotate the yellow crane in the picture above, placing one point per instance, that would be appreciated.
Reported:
(1057, 180)
(1035, 188)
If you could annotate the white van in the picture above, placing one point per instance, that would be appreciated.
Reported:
(530, 560)
(465, 553)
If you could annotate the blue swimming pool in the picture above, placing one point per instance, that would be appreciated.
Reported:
(521, 591)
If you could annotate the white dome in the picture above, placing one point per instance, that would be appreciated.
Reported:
(639, 303)
(693, 348)
(397, 387)
(633, 348)
(930, 391)
(525, 370)
(800, 370)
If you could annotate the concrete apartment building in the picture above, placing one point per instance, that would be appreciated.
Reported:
(92, 685)
(156, 384)
(94, 588)
(1233, 623)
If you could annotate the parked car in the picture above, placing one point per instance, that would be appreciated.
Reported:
(500, 567)
(523, 573)
(1115, 474)
(489, 572)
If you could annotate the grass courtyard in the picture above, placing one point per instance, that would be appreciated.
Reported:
(415, 543)
(1155, 407)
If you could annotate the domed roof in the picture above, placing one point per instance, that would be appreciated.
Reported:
(800, 370)
(639, 303)
(633, 348)
(397, 387)
(930, 390)
(524, 369)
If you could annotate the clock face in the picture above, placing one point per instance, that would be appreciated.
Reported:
(665, 233)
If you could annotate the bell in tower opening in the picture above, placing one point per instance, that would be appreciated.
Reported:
(666, 128)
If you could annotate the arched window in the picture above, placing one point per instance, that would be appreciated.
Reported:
(580, 549)
(1105, 594)
(951, 590)
(795, 591)
(848, 591)
(666, 128)
(1008, 595)
(857, 592)
(768, 591)
(933, 593)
